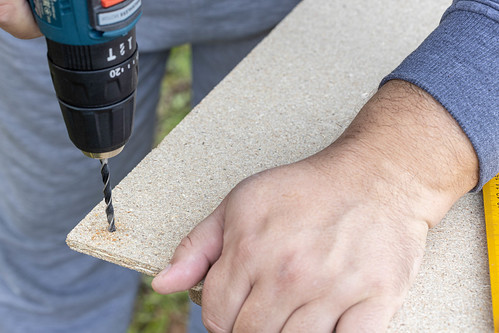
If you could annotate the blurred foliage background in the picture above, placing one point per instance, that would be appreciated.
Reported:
(155, 313)
(175, 98)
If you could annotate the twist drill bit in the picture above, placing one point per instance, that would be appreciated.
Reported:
(104, 170)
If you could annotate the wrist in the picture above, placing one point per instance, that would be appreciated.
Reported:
(413, 147)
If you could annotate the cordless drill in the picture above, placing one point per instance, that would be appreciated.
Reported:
(93, 60)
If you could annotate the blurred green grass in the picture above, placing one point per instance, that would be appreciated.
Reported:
(175, 98)
(155, 313)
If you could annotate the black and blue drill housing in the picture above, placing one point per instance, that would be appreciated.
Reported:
(93, 60)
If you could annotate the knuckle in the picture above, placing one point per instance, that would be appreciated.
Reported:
(247, 325)
(213, 325)
(288, 274)
(186, 243)
(291, 271)
(387, 284)
(393, 276)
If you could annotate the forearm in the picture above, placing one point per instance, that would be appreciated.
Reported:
(407, 138)
(458, 64)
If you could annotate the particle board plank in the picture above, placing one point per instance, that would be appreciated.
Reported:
(290, 97)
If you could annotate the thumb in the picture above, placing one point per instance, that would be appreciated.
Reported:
(194, 255)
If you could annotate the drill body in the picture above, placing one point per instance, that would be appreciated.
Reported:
(93, 60)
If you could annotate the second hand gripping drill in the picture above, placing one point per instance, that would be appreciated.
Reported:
(93, 59)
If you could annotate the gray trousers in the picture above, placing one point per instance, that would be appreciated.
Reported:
(47, 186)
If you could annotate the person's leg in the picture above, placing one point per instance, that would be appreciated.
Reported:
(46, 187)
(211, 62)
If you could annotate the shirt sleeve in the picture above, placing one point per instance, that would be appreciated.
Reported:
(458, 64)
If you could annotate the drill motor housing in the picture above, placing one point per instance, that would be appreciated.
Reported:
(93, 59)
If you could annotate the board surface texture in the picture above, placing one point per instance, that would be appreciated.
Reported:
(290, 97)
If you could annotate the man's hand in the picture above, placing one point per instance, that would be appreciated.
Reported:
(17, 19)
(335, 240)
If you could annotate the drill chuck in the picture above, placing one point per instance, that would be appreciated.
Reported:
(93, 60)
(96, 85)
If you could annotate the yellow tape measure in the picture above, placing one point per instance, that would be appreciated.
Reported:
(491, 207)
